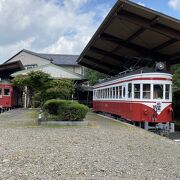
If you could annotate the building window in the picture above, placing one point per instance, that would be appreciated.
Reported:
(137, 91)
(158, 91)
(146, 91)
(30, 66)
(6, 92)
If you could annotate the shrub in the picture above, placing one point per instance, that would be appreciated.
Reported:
(66, 110)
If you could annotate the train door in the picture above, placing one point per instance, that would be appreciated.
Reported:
(129, 101)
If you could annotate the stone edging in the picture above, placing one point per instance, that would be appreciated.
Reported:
(65, 123)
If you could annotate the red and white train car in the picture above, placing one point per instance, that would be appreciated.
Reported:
(6, 95)
(142, 97)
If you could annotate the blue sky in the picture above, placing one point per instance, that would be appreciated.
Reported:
(59, 26)
(171, 8)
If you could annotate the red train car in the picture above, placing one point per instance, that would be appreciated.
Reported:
(6, 95)
(142, 97)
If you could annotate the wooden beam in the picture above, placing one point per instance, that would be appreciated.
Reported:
(141, 50)
(103, 62)
(137, 33)
(94, 66)
(146, 23)
(167, 43)
(115, 58)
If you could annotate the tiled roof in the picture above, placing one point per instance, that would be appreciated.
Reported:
(61, 59)
(58, 59)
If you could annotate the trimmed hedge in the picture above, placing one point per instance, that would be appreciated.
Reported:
(65, 110)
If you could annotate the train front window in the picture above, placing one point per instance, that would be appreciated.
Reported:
(158, 91)
(6, 92)
(167, 91)
(146, 91)
(137, 91)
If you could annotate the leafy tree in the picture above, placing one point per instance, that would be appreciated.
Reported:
(93, 76)
(42, 87)
(176, 78)
(61, 88)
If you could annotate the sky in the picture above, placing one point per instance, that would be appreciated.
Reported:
(59, 26)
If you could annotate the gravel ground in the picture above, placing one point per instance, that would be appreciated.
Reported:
(102, 150)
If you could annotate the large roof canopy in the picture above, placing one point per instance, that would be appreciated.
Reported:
(132, 36)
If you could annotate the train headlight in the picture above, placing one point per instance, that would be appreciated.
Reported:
(160, 66)
(170, 109)
(145, 111)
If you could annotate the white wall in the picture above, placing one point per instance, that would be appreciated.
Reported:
(76, 69)
(28, 59)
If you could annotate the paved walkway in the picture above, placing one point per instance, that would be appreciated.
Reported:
(103, 150)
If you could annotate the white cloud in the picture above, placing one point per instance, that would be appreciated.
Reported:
(11, 49)
(50, 26)
(175, 4)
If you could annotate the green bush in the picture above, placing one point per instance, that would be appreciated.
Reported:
(65, 110)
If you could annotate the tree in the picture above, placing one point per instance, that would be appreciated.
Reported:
(94, 76)
(61, 89)
(176, 78)
(176, 89)
(42, 87)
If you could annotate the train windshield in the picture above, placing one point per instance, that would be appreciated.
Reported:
(158, 91)
(167, 91)
(6, 92)
(146, 91)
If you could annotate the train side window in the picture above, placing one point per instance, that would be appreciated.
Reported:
(167, 91)
(117, 92)
(108, 93)
(105, 93)
(6, 92)
(120, 92)
(158, 91)
(124, 91)
(111, 93)
(129, 90)
(146, 91)
(0, 91)
(137, 91)
(114, 92)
